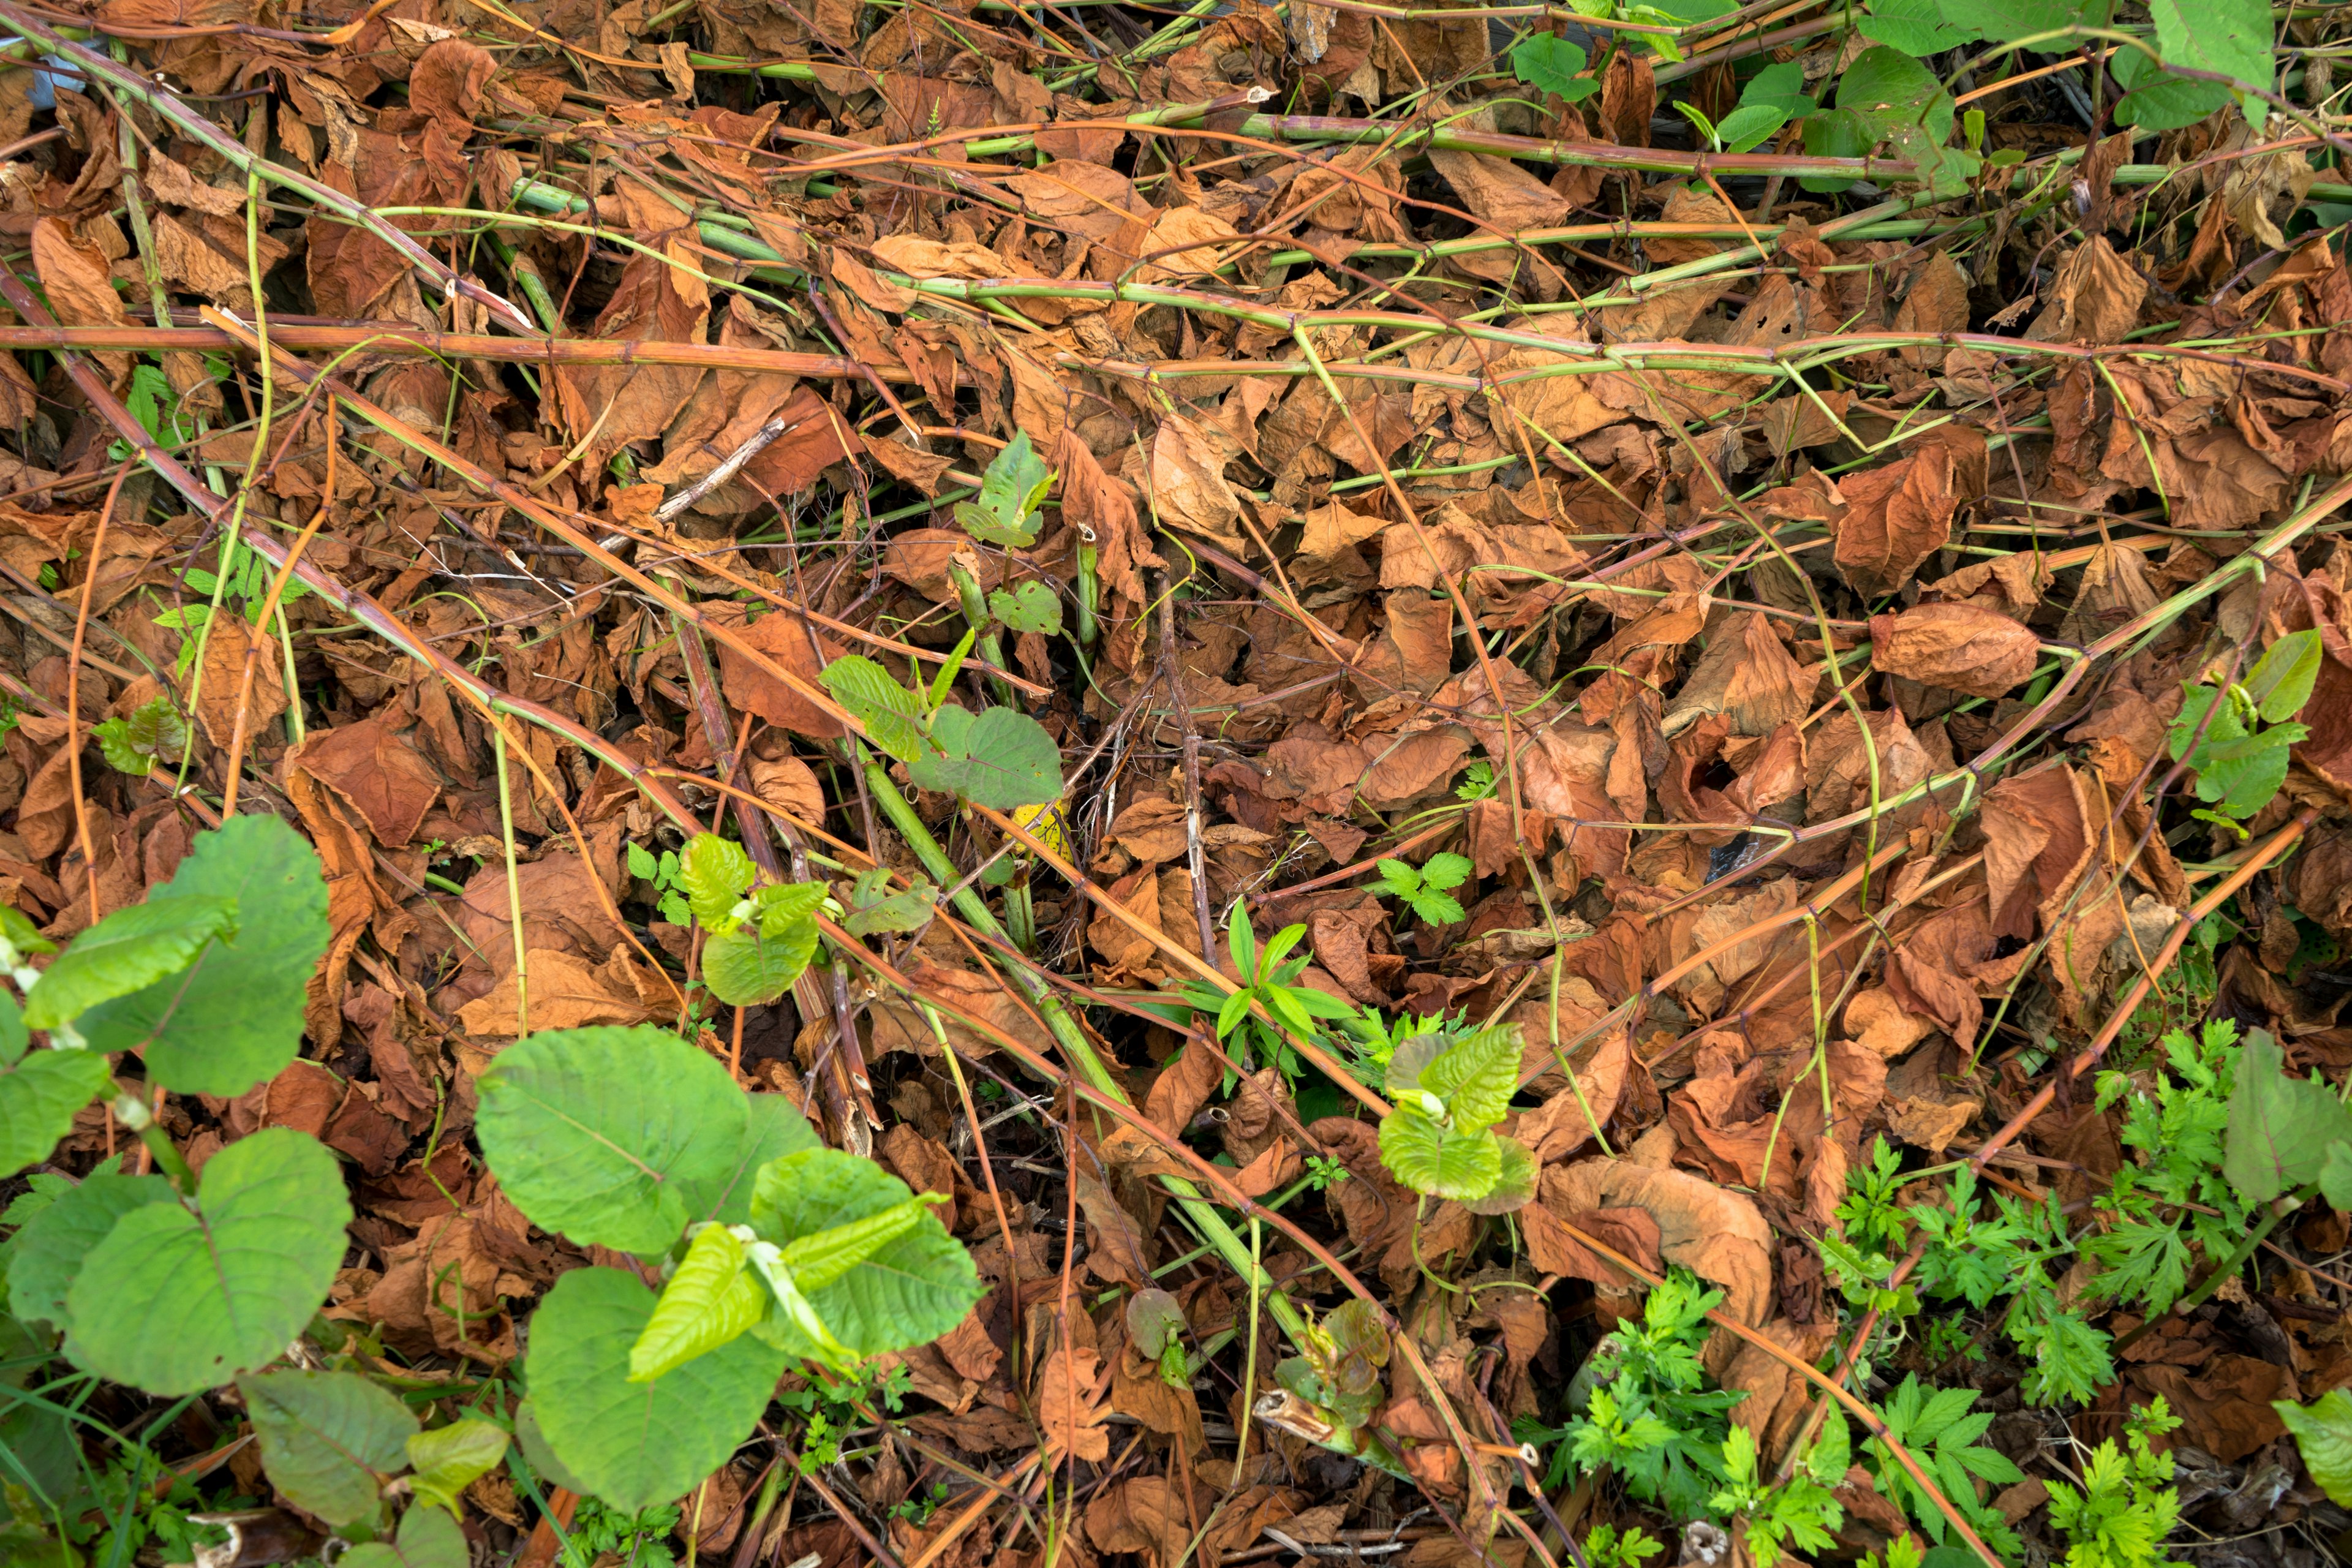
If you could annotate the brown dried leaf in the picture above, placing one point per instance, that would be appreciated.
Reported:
(1959, 646)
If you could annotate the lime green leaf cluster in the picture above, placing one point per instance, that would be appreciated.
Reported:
(1429, 890)
(1011, 491)
(1449, 1093)
(759, 939)
(2237, 736)
(998, 758)
(136, 741)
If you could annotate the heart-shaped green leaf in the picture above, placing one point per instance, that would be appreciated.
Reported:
(329, 1439)
(998, 759)
(892, 715)
(236, 1275)
(637, 1444)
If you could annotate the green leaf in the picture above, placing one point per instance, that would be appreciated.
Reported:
(136, 741)
(1438, 908)
(38, 1097)
(2334, 1179)
(2322, 1430)
(1549, 63)
(606, 1135)
(450, 1458)
(129, 949)
(713, 1299)
(771, 1129)
(1916, 27)
(236, 1278)
(1887, 89)
(876, 909)
(1779, 86)
(1154, 1322)
(1011, 491)
(642, 863)
(1515, 1179)
(2187, 723)
(1438, 1161)
(2156, 99)
(2279, 1126)
(429, 1538)
(536, 1452)
(715, 873)
(2231, 38)
(637, 1444)
(1475, 1075)
(329, 1439)
(51, 1247)
(2009, 20)
(909, 1291)
(1000, 759)
(755, 962)
(1749, 126)
(892, 715)
(1833, 134)
(1445, 871)
(235, 1018)
(2280, 681)
(1031, 607)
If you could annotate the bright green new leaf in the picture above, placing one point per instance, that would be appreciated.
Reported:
(2280, 681)
(637, 1444)
(999, 759)
(235, 1019)
(1549, 63)
(604, 1134)
(1916, 27)
(748, 965)
(2229, 38)
(129, 949)
(892, 715)
(716, 873)
(236, 1277)
(2279, 1126)
(1439, 1161)
(450, 1458)
(912, 1287)
(38, 1097)
(1515, 1179)
(151, 733)
(1031, 607)
(1474, 1076)
(713, 1298)
(2322, 1430)
(329, 1439)
(820, 1259)
(1011, 491)
(429, 1538)
(49, 1252)
(1749, 126)
(2009, 20)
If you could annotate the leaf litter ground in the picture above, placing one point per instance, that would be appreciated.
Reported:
(1579, 780)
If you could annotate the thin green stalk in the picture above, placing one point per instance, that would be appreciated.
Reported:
(514, 881)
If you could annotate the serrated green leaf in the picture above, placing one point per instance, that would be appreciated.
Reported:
(606, 1135)
(2280, 681)
(1475, 1075)
(329, 1439)
(50, 1249)
(126, 951)
(999, 759)
(892, 715)
(234, 1018)
(2322, 1430)
(1549, 63)
(1031, 607)
(637, 1444)
(429, 1538)
(819, 1259)
(450, 1458)
(910, 1290)
(1435, 1160)
(715, 873)
(1445, 872)
(38, 1097)
(642, 863)
(713, 1298)
(2280, 1128)
(1438, 908)
(236, 1277)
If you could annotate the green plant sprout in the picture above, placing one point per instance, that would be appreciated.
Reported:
(1801, 1511)
(2237, 736)
(1266, 978)
(998, 758)
(667, 876)
(1448, 1096)
(759, 939)
(2123, 1512)
(1429, 891)
(135, 742)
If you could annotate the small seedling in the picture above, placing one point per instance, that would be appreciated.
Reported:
(1428, 891)
(1449, 1095)
(2237, 736)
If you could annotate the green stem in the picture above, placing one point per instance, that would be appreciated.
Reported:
(2229, 1266)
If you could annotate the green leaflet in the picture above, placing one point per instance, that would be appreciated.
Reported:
(135, 742)
(716, 874)
(1439, 1161)
(235, 1018)
(911, 1289)
(329, 1439)
(771, 1128)
(127, 949)
(892, 715)
(2156, 99)
(450, 1458)
(2280, 681)
(875, 907)
(1011, 491)
(1031, 607)
(998, 759)
(2279, 1126)
(755, 961)
(713, 1297)
(1515, 1179)
(607, 1135)
(38, 1097)
(2231, 37)
(1549, 63)
(50, 1248)
(2322, 1430)
(637, 1444)
(236, 1277)
(818, 1260)
(1474, 1076)
(429, 1538)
